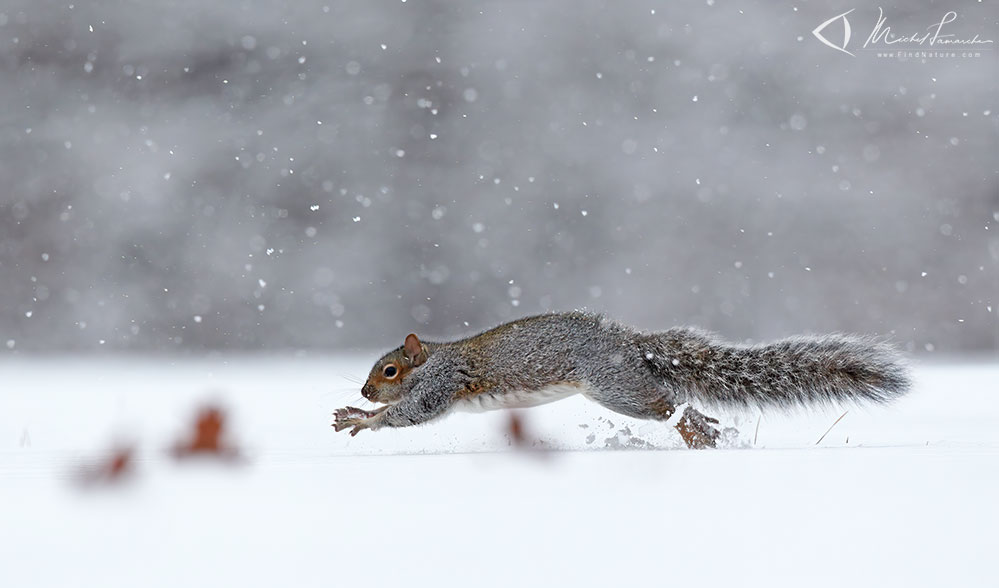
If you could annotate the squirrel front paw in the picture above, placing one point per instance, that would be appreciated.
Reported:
(697, 430)
(355, 419)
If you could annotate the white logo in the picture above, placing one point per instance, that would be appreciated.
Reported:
(933, 36)
(846, 32)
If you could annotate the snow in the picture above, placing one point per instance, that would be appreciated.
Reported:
(894, 496)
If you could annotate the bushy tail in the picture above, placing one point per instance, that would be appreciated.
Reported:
(798, 371)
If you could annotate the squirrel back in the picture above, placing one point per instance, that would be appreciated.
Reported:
(690, 363)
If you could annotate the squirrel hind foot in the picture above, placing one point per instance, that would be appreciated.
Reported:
(696, 429)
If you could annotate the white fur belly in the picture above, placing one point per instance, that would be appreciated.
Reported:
(492, 400)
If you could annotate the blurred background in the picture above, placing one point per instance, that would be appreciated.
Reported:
(182, 176)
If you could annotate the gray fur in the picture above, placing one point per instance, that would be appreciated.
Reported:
(792, 372)
(642, 375)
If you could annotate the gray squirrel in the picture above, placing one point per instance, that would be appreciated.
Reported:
(544, 358)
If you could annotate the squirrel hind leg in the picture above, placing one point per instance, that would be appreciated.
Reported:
(695, 428)
(649, 406)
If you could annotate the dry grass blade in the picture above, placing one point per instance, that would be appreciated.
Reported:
(831, 427)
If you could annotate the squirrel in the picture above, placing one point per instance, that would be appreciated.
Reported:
(544, 358)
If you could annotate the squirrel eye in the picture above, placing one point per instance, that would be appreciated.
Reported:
(390, 371)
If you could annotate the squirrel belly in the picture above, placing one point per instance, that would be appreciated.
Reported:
(520, 398)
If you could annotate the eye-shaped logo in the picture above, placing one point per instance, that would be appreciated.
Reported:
(846, 32)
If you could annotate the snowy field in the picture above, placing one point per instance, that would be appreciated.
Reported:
(896, 496)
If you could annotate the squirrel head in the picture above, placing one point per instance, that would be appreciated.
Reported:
(387, 380)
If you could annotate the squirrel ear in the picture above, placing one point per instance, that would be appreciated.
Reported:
(414, 350)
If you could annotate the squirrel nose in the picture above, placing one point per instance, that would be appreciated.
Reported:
(367, 391)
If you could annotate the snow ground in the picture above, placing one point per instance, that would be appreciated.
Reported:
(896, 496)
